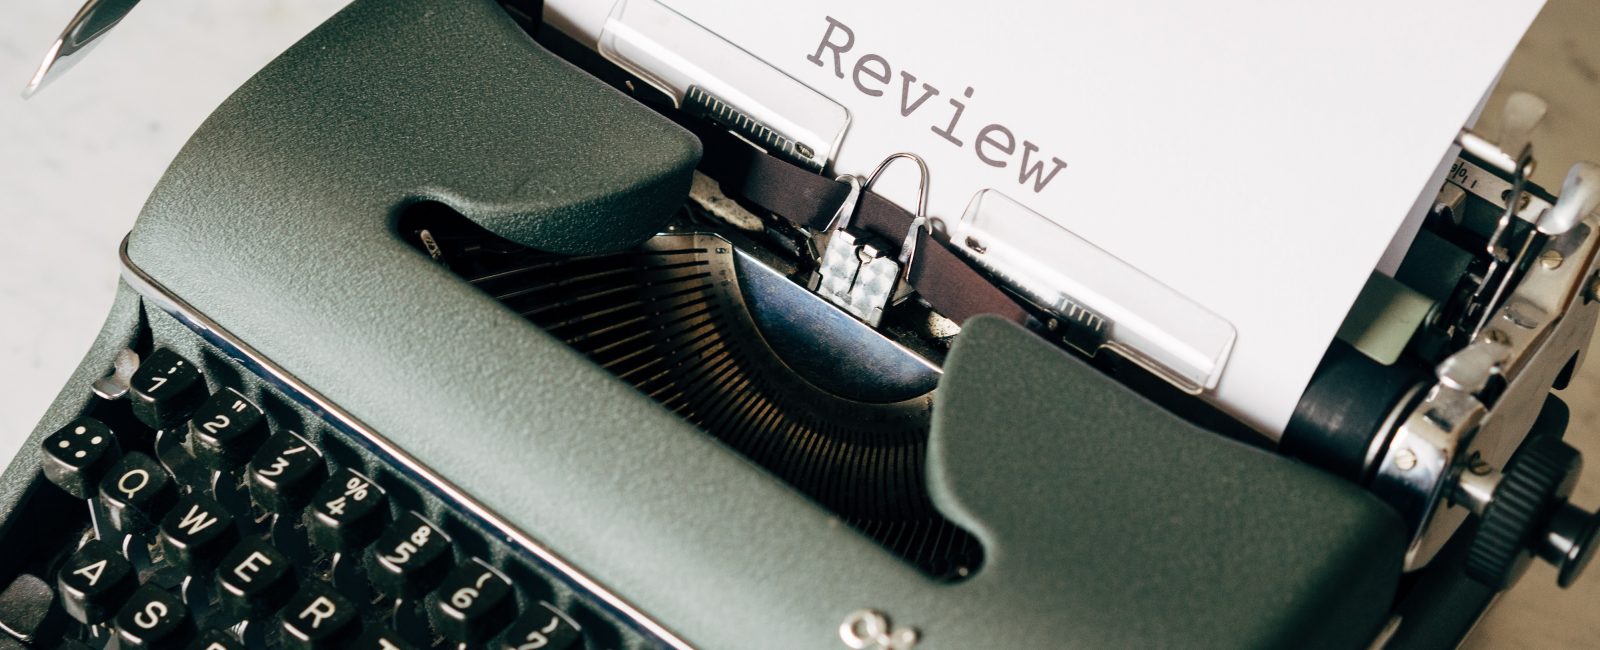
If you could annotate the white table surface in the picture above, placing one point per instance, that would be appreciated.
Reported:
(78, 159)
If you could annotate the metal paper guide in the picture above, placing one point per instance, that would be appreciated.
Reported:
(1102, 301)
(709, 76)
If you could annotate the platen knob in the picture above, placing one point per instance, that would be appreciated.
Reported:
(1529, 516)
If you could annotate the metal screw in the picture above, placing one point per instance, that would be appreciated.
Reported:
(1551, 259)
(1477, 465)
(1522, 201)
(1405, 459)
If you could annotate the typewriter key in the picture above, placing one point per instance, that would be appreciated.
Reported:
(137, 492)
(196, 532)
(226, 430)
(473, 603)
(165, 389)
(285, 472)
(409, 558)
(78, 455)
(317, 617)
(215, 639)
(94, 582)
(153, 618)
(254, 579)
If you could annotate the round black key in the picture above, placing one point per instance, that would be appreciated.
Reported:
(77, 456)
(347, 513)
(215, 639)
(254, 579)
(137, 492)
(473, 603)
(285, 472)
(542, 627)
(317, 617)
(196, 533)
(153, 618)
(381, 639)
(409, 558)
(165, 389)
(226, 430)
(94, 582)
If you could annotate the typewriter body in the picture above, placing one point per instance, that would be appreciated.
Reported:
(444, 331)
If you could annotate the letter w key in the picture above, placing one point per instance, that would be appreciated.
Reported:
(196, 533)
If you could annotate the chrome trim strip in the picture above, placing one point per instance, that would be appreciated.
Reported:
(169, 302)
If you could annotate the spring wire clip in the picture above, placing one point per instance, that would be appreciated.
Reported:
(856, 272)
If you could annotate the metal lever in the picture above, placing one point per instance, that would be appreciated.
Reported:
(1523, 112)
(1580, 195)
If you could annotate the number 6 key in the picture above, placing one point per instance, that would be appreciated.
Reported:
(473, 604)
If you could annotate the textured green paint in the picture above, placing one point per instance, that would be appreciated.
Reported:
(1107, 522)
(1155, 533)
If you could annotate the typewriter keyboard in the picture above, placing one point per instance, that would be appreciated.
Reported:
(196, 507)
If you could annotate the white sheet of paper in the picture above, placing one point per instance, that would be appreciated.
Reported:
(1257, 156)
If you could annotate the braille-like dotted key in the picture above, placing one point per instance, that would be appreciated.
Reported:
(77, 456)
(136, 492)
(473, 603)
(94, 582)
(285, 472)
(165, 389)
(381, 639)
(215, 639)
(409, 558)
(317, 617)
(196, 532)
(254, 579)
(542, 628)
(153, 618)
(226, 430)
(347, 513)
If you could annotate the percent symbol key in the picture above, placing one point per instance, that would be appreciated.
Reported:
(347, 513)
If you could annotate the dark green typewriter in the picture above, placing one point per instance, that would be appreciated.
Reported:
(446, 332)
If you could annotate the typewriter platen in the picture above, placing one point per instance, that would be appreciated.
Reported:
(457, 335)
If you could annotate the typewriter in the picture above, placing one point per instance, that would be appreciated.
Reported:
(447, 331)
